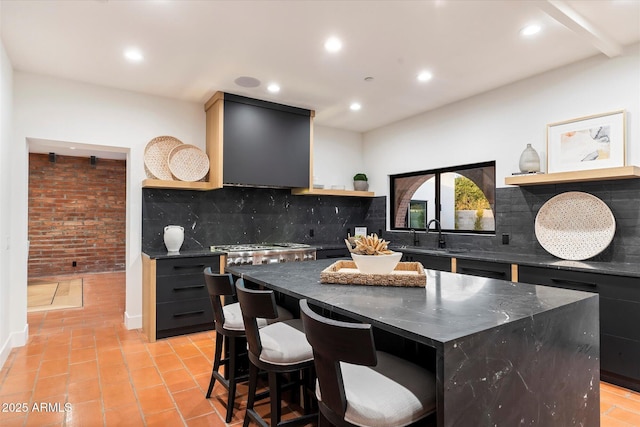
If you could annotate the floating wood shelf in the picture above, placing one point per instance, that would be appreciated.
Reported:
(330, 192)
(179, 185)
(623, 172)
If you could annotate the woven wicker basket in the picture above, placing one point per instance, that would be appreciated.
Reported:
(345, 272)
(188, 163)
(156, 155)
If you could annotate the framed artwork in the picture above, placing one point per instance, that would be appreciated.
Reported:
(592, 142)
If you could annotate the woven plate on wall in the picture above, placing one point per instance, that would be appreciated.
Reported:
(188, 163)
(575, 226)
(156, 154)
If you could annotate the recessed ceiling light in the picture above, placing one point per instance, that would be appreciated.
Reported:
(133, 55)
(72, 148)
(355, 106)
(424, 76)
(530, 30)
(273, 88)
(333, 44)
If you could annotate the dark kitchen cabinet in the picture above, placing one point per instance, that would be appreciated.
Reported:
(619, 317)
(430, 262)
(175, 297)
(332, 253)
(490, 269)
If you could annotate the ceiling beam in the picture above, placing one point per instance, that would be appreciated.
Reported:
(567, 16)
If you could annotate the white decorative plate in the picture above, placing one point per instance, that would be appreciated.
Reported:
(155, 157)
(575, 226)
(188, 163)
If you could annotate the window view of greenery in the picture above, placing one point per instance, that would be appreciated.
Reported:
(461, 198)
(471, 205)
(418, 214)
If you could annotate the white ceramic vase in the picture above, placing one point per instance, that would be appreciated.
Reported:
(529, 160)
(173, 237)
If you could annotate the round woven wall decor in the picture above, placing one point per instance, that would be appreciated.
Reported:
(156, 155)
(575, 226)
(188, 163)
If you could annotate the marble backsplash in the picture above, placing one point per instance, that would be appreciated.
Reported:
(254, 215)
(235, 215)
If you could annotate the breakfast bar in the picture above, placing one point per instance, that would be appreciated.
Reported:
(505, 353)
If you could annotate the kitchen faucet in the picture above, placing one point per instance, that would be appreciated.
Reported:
(416, 239)
(441, 243)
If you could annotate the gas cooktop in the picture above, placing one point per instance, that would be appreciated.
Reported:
(249, 247)
(266, 253)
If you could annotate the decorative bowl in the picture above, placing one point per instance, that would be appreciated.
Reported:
(377, 264)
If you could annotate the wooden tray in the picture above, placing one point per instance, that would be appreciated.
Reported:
(345, 272)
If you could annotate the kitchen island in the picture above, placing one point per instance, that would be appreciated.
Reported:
(506, 354)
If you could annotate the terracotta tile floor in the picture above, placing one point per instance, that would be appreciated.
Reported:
(111, 376)
(114, 377)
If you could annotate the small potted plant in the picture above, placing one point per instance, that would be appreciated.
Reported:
(360, 182)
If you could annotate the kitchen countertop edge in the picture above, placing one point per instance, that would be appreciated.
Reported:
(182, 254)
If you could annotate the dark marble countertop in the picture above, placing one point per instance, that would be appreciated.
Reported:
(548, 261)
(536, 260)
(450, 307)
(182, 254)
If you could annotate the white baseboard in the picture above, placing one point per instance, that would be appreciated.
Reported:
(15, 339)
(132, 322)
(5, 350)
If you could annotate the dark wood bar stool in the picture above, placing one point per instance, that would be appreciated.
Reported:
(276, 349)
(359, 386)
(230, 333)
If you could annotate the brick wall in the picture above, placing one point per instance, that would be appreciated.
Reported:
(77, 212)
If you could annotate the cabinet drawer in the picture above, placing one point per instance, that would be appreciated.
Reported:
(619, 287)
(620, 356)
(620, 318)
(178, 314)
(575, 280)
(493, 270)
(179, 288)
(186, 266)
(332, 253)
(430, 262)
(608, 286)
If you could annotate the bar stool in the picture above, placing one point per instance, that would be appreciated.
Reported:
(276, 348)
(359, 386)
(229, 332)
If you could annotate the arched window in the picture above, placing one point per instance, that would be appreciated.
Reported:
(461, 198)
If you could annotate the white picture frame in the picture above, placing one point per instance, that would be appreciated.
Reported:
(585, 143)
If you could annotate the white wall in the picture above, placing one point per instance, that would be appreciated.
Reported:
(62, 110)
(12, 330)
(497, 125)
(337, 156)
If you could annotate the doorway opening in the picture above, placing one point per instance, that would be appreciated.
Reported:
(77, 218)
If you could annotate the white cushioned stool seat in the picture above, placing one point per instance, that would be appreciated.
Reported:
(284, 343)
(233, 317)
(393, 393)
